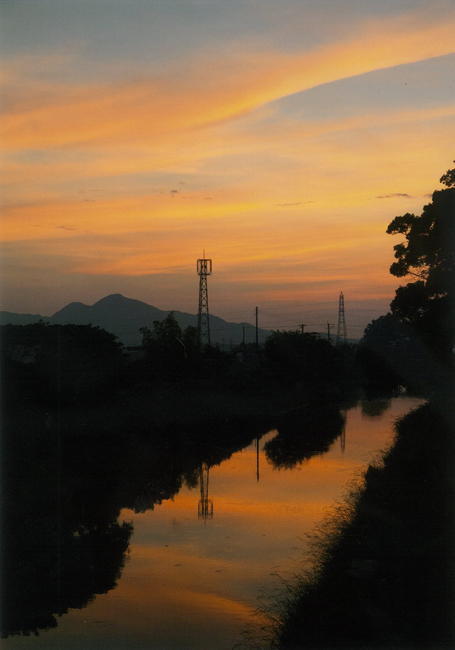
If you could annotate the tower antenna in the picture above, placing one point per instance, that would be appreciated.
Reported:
(341, 329)
(204, 269)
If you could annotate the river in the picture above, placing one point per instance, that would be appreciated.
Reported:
(198, 563)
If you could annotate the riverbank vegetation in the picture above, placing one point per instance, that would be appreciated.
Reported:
(384, 571)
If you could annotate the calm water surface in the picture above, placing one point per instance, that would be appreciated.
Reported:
(191, 581)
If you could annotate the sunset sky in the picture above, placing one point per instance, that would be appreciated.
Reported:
(282, 137)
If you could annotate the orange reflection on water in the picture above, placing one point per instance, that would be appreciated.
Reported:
(189, 583)
(218, 568)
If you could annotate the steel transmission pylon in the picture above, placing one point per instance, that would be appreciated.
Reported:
(204, 269)
(205, 505)
(341, 329)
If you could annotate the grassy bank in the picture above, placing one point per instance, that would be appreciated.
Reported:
(385, 570)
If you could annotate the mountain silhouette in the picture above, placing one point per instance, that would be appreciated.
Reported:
(125, 316)
(115, 313)
(12, 318)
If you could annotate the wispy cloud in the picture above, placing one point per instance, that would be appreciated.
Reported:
(394, 195)
(62, 115)
(294, 204)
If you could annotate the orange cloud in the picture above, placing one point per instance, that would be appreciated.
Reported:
(147, 109)
(184, 153)
(241, 192)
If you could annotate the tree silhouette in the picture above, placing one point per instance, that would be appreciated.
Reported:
(428, 254)
(170, 351)
(68, 363)
(292, 356)
(448, 178)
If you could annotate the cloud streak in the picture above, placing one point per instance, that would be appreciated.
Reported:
(192, 97)
(395, 195)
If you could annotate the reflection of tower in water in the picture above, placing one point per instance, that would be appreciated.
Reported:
(205, 505)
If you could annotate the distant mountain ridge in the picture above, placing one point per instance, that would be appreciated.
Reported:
(125, 316)
(12, 318)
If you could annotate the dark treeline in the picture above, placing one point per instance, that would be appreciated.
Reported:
(79, 364)
(171, 381)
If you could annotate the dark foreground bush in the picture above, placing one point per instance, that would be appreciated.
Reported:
(64, 364)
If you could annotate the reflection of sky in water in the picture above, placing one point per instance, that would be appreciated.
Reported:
(195, 584)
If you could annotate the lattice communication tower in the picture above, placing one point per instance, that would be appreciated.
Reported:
(204, 269)
(341, 329)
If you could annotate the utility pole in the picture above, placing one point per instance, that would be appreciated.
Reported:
(341, 329)
(257, 328)
(302, 328)
(329, 325)
(243, 335)
(204, 269)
